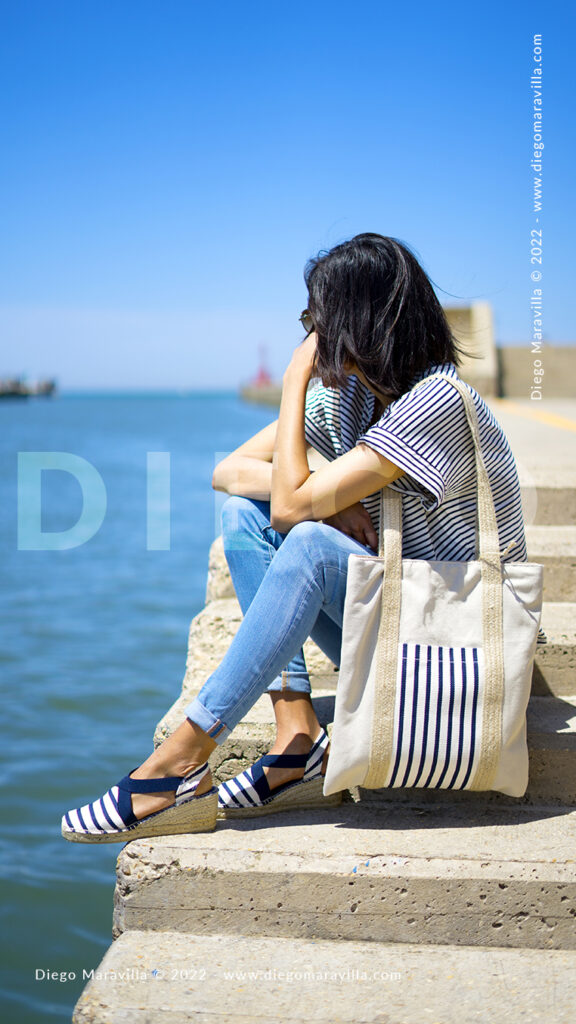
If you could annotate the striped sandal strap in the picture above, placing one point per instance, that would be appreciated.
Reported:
(251, 789)
(311, 763)
(172, 783)
(283, 761)
(316, 757)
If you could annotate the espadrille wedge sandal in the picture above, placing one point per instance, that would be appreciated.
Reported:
(248, 795)
(111, 819)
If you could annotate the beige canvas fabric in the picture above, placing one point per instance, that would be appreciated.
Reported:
(436, 662)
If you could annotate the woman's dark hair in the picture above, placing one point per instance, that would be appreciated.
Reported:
(373, 305)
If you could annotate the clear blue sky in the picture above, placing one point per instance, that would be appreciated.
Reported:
(168, 167)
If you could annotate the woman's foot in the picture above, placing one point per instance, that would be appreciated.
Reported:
(171, 792)
(278, 782)
(297, 729)
(300, 745)
(180, 754)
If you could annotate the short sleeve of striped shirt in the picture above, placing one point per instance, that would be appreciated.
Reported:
(425, 433)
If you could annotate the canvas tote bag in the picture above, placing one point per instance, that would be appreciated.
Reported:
(436, 662)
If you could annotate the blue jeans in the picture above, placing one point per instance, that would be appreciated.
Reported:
(290, 586)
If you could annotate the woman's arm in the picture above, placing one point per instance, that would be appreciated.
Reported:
(248, 470)
(297, 494)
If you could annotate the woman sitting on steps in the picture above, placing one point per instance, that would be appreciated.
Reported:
(374, 328)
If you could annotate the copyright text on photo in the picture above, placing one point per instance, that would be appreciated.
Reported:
(536, 247)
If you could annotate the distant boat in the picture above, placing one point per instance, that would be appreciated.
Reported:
(262, 389)
(16, 387)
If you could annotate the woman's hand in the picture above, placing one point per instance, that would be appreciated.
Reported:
(304, 358)
(356, 523)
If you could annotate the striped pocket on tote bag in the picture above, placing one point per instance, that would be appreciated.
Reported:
(438, 717)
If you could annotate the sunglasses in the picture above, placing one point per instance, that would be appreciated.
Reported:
(306, 320)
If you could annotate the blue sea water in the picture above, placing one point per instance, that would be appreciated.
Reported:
(92, 653)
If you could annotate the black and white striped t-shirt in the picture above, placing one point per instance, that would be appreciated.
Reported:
(425, 432)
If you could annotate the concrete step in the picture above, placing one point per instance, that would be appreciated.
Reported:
(213, 629)
(442, 875)
(548, 498)
(555, 663)
(146, 977)
(516, 368)
(551, 742)
(543, 438)
(554, 547)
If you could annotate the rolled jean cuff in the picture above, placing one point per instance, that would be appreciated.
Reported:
(297, 682)
(214, 727)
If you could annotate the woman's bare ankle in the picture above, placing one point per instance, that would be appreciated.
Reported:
(185, 750)
(296, 721)
(290, 743)
(144, 804)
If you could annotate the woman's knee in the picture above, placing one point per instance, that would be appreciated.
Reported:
(314, 552)
(308, 530)
(310, 537)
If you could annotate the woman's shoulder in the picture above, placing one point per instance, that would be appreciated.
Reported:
(431, 395)
(434, 380)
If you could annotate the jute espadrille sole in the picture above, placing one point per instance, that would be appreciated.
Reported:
(195, 815)
(301, 794)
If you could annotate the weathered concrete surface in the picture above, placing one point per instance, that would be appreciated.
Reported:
(547, 504)
(551, 742)
(214, 628)
(489, 876)
(554, 547)
(543, 438)
(552, 748)
(211, 980)
(548, 543)
(473, 328)
(219, 584)
(516, 364)
(555, 664)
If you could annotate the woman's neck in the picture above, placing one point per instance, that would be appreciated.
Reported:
(381, 399)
